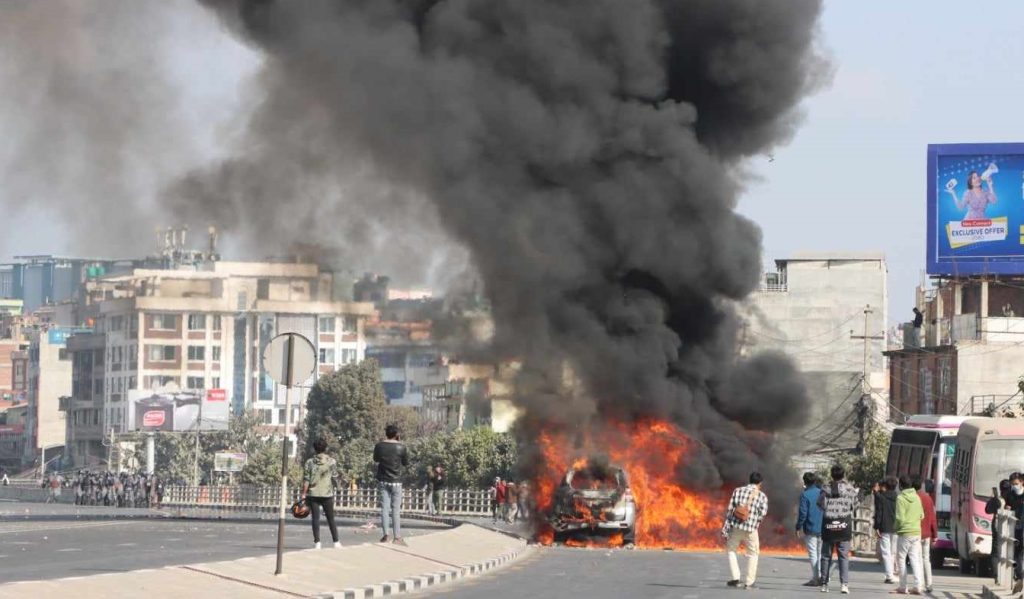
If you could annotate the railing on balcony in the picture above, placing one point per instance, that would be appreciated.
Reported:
(774, 282)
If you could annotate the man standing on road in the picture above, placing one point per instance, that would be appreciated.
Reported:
(318, 490)
(837, 502)
(909, 515)
(885, 526)
(511, 501)
(391, 456)
(747, 508)
(497, 498)
(436, 482)
(808, 526)
(929, 529)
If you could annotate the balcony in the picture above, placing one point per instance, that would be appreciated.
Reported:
(774, 282)
(970, 327)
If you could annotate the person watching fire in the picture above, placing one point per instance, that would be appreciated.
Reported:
(747, 508)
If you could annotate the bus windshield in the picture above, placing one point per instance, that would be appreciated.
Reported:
(997, 458)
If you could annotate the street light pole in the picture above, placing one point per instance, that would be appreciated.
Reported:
(288, 382)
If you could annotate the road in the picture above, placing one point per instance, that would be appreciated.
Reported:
(46, 542)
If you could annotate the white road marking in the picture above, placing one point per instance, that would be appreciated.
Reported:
(37, 526)
(67, 550)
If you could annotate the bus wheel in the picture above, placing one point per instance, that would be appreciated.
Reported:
(981, 567)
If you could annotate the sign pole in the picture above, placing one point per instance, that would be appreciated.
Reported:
(288, 383)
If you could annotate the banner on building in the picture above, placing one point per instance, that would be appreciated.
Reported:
(224, 461)
(205, 410)
(975, 209)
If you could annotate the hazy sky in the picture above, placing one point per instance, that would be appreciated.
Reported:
(905, 74)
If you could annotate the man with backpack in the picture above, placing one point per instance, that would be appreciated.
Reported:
(747, 508)
(837, 502)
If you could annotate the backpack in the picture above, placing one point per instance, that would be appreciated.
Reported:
(742, 512)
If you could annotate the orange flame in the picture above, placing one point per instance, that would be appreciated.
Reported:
(669, 515)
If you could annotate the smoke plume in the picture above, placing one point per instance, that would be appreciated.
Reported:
(586, 153)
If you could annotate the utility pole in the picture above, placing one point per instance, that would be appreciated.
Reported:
(195, 462)
(864, 405)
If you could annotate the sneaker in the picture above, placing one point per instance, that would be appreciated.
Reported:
(844, 589)
(316, 545)
(401, 542)
(748, 586)
(890, 580)
(812, 583)
(733, 583)
(824, 588)
(913, 592)
(337, 545)
(385, 539)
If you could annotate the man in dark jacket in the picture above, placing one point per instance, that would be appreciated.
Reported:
(391, 456)
(808, 526)
(1015, 502)
(885, 525)
(837, 502)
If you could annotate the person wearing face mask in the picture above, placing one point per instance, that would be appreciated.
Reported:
(1015, 502)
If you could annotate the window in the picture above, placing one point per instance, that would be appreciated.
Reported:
(63, 355)
(156, 382)
(132, 383)
(326, 355)
(197, 322)
(216, 353)
(349, 324)
(116, 323)
(165, 322)
(195, 382)
(161, 353)
(263, 289)
(327, 325)
(267, 416)
(216, 322)
(348, 356)
(97, 386)
(215, 382)
(196, 353)
(394, 389)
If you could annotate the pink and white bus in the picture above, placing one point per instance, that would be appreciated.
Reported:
(924, 447)
(987, 451)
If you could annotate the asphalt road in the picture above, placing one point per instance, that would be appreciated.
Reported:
(559, 572)
(45, 542)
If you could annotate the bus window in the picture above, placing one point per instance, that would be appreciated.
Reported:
(997, 458)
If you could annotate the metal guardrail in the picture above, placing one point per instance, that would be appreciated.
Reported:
(253, 499)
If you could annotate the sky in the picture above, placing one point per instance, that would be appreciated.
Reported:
(904, 75)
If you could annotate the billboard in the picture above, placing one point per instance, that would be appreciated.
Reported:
(224, 461)
(975, 209)
(178, 411)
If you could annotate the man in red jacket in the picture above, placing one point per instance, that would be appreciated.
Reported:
(929, 528)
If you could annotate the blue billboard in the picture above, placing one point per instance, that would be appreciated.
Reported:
(975, 209)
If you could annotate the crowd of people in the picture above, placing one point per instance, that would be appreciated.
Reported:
(122, 489)
(510, 501)
(904, 523)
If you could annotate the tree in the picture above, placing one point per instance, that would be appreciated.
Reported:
(472, 458)
(345, 406)
(864, 470)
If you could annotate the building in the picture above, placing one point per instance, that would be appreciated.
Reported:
(407, 357)
(49, 380)
(967, 357)
(85, 434)
(472, 395)
(828, 312)
(203, 327)
(12, 436)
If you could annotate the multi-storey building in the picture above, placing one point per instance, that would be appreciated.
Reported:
(205, 329)
(49, 380)
(84, 443)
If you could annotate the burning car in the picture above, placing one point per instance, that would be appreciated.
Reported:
(592, 499)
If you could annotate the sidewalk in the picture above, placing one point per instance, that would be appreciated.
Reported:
(367, 570)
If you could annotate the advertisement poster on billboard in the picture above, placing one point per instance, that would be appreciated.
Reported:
(178, 411)
(975, 209)
(224, 461)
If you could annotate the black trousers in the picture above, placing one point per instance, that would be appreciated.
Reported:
(327, 503)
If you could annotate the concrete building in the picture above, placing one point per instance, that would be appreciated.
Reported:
(12, 436)
(817, 307)
(49, 380)
(966, 358)
(472, 395)
(204, 327)
(407, 357)
(84, 434)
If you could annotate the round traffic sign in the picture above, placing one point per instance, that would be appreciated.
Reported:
(289, 359)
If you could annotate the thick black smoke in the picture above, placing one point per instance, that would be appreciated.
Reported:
(586, 153)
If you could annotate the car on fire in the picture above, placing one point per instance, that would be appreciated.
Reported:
(594, 499)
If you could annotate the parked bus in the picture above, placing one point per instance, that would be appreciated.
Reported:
(987, 451)
(924, 447)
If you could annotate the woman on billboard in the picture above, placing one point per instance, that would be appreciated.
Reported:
(975, 199)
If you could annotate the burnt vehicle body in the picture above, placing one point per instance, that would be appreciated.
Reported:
(594, 499)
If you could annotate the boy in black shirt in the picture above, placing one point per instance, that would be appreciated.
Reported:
(390, 456)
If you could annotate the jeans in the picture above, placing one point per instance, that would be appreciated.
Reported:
(887, 546)
(926, 562)
(909, 546)
(434, 505)
(813, 544)
(843, 549)
(752, 542)
(327, 503)
(391, 507)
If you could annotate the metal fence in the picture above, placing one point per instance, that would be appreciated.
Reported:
(456, 502)
(864, 541)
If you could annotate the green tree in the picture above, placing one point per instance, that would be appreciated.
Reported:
(472, 458)
(345, 406)
(864, 470)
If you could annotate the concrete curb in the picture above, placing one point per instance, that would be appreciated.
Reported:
(416, 583)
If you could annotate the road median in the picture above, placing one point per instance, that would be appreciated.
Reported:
(366, 570)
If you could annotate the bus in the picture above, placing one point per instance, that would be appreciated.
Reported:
(924, 447)
(987, 451)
